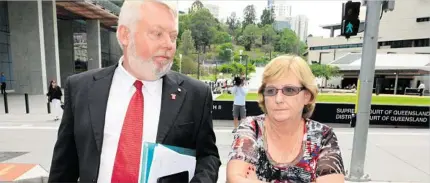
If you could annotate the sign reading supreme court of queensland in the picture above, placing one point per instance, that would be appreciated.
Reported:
(341, 113)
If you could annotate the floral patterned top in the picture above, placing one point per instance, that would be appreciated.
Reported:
(320, 153)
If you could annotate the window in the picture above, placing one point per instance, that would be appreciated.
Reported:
(421, 42)
(358, 45)
(423, 19)
(405, 43)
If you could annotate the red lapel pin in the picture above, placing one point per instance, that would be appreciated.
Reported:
(173, 96)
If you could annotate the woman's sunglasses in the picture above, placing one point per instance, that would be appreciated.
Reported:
(286, 90)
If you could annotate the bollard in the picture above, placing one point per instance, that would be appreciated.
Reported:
(27, 109)
(48, 106)
(6, 106)
(353, 120)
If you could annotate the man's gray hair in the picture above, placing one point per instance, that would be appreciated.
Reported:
(130, 12)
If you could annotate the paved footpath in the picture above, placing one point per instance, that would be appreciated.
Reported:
(393, 155)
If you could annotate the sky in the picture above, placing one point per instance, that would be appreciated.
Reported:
(319, 12)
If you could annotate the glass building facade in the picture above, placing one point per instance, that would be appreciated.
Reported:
(74, 49)
(108, 57)
(5, 58)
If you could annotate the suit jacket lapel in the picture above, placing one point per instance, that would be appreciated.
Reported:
(171, 101)
(98, 95)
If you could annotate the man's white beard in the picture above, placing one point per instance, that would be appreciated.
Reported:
(147, 65)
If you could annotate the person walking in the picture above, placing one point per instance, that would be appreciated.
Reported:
(239, 110)
(3, 83)
(110, 112)
(421, 88)
(54, 97)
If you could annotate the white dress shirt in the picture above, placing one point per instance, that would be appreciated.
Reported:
(121, 91)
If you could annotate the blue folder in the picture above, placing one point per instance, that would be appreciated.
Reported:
(148, 154)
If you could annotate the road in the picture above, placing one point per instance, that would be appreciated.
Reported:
(396, 155)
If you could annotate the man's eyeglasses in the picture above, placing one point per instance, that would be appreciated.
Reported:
(286, 90)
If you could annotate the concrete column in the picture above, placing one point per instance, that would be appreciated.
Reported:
(27, 46)
(66, 49)
(93, 44)
(51, 41)
(115, 49)
(331, 32)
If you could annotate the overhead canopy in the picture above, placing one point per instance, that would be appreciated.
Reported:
(337, 25)
(106, 11)
(417, 64)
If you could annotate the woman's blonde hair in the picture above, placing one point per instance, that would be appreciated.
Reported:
(279, 67)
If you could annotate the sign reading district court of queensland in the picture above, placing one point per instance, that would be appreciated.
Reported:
(388, 115)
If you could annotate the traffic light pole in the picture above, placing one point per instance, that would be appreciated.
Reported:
(367, 72)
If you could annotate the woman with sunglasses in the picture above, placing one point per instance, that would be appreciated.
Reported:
(284, 145)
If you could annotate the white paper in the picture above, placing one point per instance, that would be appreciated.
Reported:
(166, 162)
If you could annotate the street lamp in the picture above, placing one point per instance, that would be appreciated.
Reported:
(240, 52)
(180, 63)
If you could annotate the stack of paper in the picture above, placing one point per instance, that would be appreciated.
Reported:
(161, 160)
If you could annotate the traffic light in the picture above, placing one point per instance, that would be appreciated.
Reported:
(350, 20)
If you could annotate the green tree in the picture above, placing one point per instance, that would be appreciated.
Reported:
(175, 65)
(235, 68)
(269, 37)
(225, 68)
(303, 48)
(325, 71)
(268, 17)
(184, 24)
(262, 61)
(233, 23)
(268, 34)
(196, 6)
(189, 66)
(225, 51)
(250, 36)
(221, 37)
(249, 15)
(288, 42)
(187, 43)
(202, 26)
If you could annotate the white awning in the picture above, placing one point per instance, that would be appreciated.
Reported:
(419, 62)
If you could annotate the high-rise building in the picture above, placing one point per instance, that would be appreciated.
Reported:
(270, 3)
(299, 24)
(282, 10)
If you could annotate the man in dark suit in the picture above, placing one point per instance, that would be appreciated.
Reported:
(109, 112)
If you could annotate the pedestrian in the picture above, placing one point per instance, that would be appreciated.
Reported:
(110, 112)
(239, 104)
(3, 83)
(421, 88)
(54, 97)
(283, 144)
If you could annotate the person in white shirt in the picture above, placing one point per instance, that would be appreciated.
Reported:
(239, 110)
(110, 112)
(421, 88)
